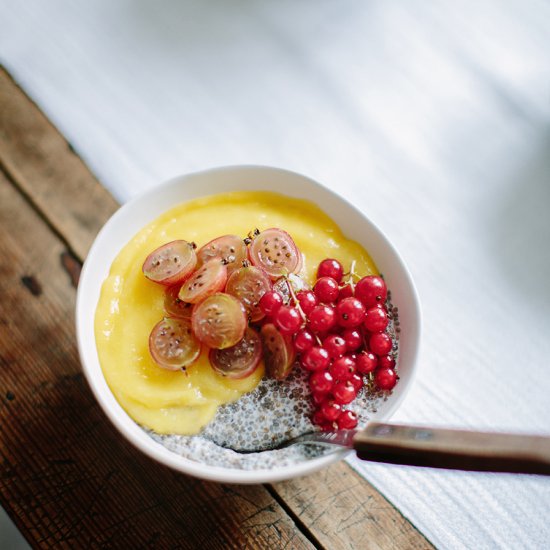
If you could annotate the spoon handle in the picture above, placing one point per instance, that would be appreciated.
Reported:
(453, 449)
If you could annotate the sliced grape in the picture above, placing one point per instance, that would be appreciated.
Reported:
(275, 252)
(229, 248)
(171, 263)
(207, 280)
(240, 360)
(175, 307)
(249, 284)
(219, 321)
(279, 352)
(172, 343)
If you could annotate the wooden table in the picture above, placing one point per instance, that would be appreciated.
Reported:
(67, 477)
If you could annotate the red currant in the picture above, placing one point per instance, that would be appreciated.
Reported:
(307, 300)
(380, 343)
(303, 340)
(371, 290)
(316, 358)
(331, 410)
(345, 292)
(357, 381)
(366, 362)
(350, 312)
(376, 319)
(386, 362)
(385, 379)
(322, 318)
(287, 319)
(326, 289)
(344, 392)
(330, 268)
(321, 381)
(342, 368)
(318, 397)
(318, 418)
(335, 345)
(347, 420)
(270, 302)
(353, 339)
(327, 426)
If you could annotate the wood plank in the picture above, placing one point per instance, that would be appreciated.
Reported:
(67, 475)
(379, 524)
(346, 512)
(48, 172)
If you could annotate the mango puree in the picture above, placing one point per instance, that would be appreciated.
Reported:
(183, 402)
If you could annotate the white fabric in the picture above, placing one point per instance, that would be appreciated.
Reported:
(433, 117)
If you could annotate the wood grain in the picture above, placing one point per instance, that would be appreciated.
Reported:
(86, 482)
(345, 512)
(48, 172)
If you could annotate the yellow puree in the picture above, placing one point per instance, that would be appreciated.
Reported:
(130, 305)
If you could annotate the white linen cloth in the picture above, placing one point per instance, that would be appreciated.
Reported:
(432, 117)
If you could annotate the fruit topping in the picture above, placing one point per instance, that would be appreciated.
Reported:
(208, 279)
(316, 358)
(322, 318)
(240, 360)
(278, 352)
(307, 300)
(326, 290)
(270, 302)
(380, 343)
(371, 290)
(321, 381)
(228, 248)
(347, 421)
(249, 284)
(303, 340)
(350, 312)
(385, 379)
(170, 263)
(353, 339)
(330, 410)
(274, 251)
(344, 392)
(330, 268)
(366, 362)
(386, 362)
(376, 319)
(339, 330)
(342, 368)
(287, 319)
(335, 345)
(219, 321)
(175, 307)
(172, 343)
(284, 286)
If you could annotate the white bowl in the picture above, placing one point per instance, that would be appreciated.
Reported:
(131, 217)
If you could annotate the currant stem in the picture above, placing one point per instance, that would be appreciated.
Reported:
(295, 300)
(352, 274)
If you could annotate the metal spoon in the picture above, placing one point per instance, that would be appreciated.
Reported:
(439, 447)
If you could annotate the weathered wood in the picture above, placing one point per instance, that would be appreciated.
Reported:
(48, 172)
(63, 205)
(346, 512)
(67, 475)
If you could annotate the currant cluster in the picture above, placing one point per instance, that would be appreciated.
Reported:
(339, 331)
